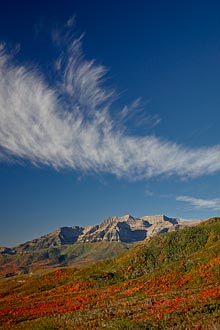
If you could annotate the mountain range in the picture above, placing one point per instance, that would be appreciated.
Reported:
(76, 245)
(126, 229)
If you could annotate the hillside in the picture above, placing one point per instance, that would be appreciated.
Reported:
(23, 262)
(170, 281)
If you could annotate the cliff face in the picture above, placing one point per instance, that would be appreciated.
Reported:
(128, 229)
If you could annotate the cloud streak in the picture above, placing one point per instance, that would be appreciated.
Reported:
(199, 203)
(69, 124)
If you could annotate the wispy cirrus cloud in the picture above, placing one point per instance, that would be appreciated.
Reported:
(69, 124)
(199, 203)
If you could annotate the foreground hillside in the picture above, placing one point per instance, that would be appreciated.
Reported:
(171, 281)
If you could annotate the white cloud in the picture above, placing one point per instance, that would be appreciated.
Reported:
(69, 124)
(135, 114)
(199, 203)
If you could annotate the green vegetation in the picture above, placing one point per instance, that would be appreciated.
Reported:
(64, 255)
(162, 250)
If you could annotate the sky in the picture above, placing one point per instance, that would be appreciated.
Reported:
(107, 108)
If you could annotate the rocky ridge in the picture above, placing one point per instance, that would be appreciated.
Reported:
(129, 229)
(126, 229)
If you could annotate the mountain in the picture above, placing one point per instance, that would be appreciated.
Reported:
(76, 245)
(169, 281)
(129, 229)
(125, 229)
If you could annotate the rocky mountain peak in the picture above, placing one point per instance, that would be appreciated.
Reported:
(157, 218)
(125, 229)
(126, 217)
(129, 229)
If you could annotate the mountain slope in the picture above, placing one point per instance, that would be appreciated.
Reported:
(75, 245)
(29, 261)
(170, 281)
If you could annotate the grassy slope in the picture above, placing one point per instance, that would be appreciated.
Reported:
(171, 281)
(73, 254)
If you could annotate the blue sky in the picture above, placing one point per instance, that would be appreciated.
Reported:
(107, 108)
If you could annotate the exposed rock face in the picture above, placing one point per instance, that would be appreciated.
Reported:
(61, 236)
(125, 229)
(128, 229)
(69, 235)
